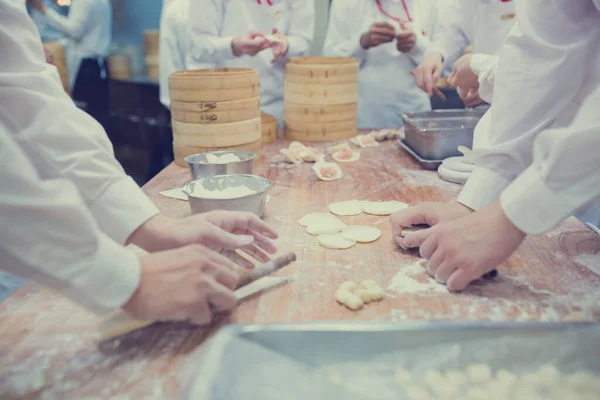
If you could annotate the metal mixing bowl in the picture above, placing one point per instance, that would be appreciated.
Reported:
(201, 168)
(254, 203)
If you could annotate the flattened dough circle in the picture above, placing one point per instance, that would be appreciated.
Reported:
(361, 234)
(335, 241)
(349, 207)
(382, 207)
(312, 218)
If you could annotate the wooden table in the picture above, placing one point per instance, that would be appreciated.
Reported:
(49, 346)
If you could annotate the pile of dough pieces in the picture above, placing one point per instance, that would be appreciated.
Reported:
(222, 159)
(334, 234)
(354, 297)
(478, 382)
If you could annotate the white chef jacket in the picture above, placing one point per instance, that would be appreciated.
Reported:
(66, 206)
(222, 20)
(89, 28)
(537, 147)
(173, 44)
(386, 88)
(47, 32)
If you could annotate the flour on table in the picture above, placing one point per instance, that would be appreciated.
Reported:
(405, 282)
(227, 193)
(176, 193)
(222, 159)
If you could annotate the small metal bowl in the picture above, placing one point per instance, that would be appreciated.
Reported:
(254, 203)
(201, 168)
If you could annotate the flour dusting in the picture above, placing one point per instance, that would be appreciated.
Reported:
(405, 282)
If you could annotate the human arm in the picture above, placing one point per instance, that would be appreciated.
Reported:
(342, 40)
(75, 24)
(547, 65)
(205, 43)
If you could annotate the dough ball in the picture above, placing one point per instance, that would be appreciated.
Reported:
(348, 286)
(479, 373)
(349, 207)
(327, 171)
(325, 225)
(369, 283)
(349, 299)
(361, 234)
(335, 241)
(382, 207)
(311, 218)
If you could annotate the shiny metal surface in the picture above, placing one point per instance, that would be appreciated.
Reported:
(254, 203)
(436, 135)
(201, 168)
(426, 164)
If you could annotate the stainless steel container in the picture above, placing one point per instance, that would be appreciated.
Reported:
(254, 203)
(200, 167)
(436, 135)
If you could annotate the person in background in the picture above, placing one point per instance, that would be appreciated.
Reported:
(536, 155)
(48, 33)
(88, 28)
(234, 33)
(68, 209)
(173, 44)
(485, 25)
(389, 38)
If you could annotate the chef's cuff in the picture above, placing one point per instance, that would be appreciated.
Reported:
(531, 205)
(224, 48)
(483, 187)
(122, 209)
(356, 50)
(105, 281)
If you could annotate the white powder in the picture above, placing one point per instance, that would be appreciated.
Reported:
(227, 193)
(591, 261)
(404, 281)
(223, 159)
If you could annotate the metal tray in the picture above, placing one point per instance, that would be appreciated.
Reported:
(221, 371)
(437, 134)
(426, 164)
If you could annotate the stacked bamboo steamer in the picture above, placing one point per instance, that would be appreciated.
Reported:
(151, 40)
(320, 99)
(119, 65)
(60, 61)
(215, 109)
(269, 126)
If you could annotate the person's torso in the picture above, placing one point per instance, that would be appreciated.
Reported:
(98, 36)
(488, 24)
(173, 23)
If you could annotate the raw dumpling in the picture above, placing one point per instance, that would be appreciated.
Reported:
(382, 207)
(311, 155)
(364, 141)
(346, 155)
(361, 234)
(349, 207)
(335, 241)
(327, 171)
(291, 156)
(338, 147)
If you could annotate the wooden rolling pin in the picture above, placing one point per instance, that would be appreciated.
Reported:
(121, 323)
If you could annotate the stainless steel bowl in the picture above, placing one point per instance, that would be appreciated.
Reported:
(201, 168)
(254, 203)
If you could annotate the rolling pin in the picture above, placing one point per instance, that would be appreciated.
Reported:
(121, 323)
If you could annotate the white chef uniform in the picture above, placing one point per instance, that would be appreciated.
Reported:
(89, 28)
(222, 20)
(173, 44)
(537, 147)
(66, 206)
(386, 88)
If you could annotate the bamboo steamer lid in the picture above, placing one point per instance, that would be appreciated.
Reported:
(219, 84)
(320, 113)
(119, 65)
(216, 106)
(215, 135)
(298, 93)
(151, 40)
(181, 152)
(319, 132)
(322, 70)
(269, 128)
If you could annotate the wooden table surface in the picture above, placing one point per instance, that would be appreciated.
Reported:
(49, 347)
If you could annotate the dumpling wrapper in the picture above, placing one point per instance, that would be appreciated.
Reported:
(335, 241)
(346, 155)
(361, 234)
(327, 171)
(176, 193)
(311, 154)
(338, 147)
(291, 156)
(382, 207)
(325, 225)
(314, 217)
(349, 207)
(296, 146)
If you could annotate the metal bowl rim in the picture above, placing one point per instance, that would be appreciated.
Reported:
(251, 158)
(268, 182)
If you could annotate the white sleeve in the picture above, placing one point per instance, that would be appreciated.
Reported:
(59, 139)
(170, 56)
(485, 67)
(342, 38)
(76, 24)
(205, 45)
(563, 177)
(452, 39)
(422, 46)
(540, 70)
(49, 235)
(300, 18)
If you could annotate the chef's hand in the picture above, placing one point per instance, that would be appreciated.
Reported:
(49, 56)
(429, 71)
(250, 43)
(279, 48)
(406, 41)
(463, 250)
(424, 214)
(38, 5)
(378, 33)
(225, 231)
(189, 283)
(470, 97)
(462, 76)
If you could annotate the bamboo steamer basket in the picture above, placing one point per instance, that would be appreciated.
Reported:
(181, 152)
(320, 98)
(214, 106)
(214, 117)
(217, 135)
(218, 84)
(151, 42)
(60, 61)
(119, 65)
(269, 126)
